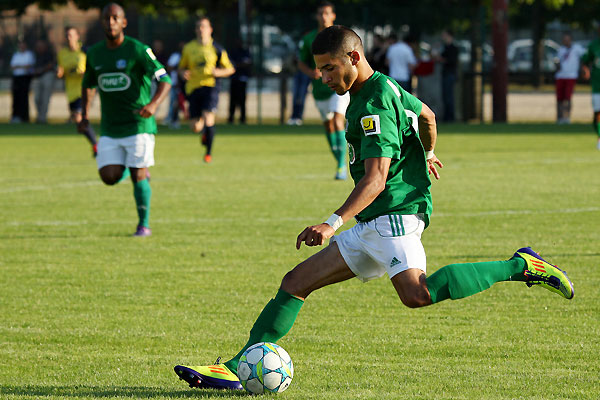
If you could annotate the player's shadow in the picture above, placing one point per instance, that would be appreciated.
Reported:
(134, 392)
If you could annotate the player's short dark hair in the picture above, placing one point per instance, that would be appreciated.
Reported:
(69, 27)
(336, 40)
(326, 3)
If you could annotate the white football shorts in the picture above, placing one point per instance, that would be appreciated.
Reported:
(390, 243)
(596, 102)
(136, 151)
(334, 104)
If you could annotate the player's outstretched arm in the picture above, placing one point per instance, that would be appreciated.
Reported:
(363, 194)
(428, 135)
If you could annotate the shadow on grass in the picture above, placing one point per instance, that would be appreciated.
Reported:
(134, 392)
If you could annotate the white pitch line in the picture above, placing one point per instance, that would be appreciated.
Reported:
(50, 187)
(294, 219)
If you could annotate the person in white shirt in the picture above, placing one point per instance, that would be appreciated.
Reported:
(568, 56)
(401, 61)
(21, 64)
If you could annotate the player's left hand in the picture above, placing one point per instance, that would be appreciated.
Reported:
(315, 235)
(148, 110)
(431, 163)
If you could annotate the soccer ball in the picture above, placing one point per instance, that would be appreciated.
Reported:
(265, 367)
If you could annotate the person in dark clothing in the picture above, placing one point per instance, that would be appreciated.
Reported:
(449, 60)
(21, 64)
(43, 84)
(376, 56)
(242, 61)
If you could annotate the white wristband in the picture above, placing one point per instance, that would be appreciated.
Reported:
(429, 155)
(335, 221)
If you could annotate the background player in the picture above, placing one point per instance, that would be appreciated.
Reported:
(391, 201)
(331, 106)
(122, 68)
(71, 67)
(202, 62)
(591, 60)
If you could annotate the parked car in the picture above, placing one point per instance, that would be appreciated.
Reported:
(520, 55)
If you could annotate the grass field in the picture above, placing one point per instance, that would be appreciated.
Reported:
(88, 312)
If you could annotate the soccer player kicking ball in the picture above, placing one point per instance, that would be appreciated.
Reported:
(122, 69)
(391, 201)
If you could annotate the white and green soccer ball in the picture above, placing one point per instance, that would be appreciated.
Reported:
(265, 367)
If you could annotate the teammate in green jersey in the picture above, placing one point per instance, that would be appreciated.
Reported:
(331, 106)
(122, 69)
(391, 200)
(591, 60)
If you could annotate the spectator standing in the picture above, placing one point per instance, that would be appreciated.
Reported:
(569, 56)
(401, 61)
(591, 70)
(300, 83)
(242, 62)
(449, 60)
(43, 84)
(377, 55)
(21, 65)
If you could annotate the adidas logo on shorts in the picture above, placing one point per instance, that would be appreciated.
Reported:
(395, 262)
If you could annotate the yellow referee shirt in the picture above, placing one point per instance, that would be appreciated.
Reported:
(73, 64)
(201, 60)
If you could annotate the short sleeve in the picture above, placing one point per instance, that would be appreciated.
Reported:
(305, 52)
(382, 137)
(225, 62)
(152, 66)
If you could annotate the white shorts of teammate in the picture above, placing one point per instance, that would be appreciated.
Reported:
(334, 104)
(390, 243)
(136, 151)
(596, 102)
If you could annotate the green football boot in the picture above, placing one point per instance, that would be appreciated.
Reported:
(541, 272)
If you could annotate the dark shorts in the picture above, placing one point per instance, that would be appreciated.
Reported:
(75, 105)
(564, 89)
(204, 98)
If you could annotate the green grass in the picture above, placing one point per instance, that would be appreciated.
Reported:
(87, 312)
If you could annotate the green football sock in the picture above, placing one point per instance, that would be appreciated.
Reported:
(330, 141)
(340, 153)
(126, 174)
(274, 322)
(142, 193)
(456, 281)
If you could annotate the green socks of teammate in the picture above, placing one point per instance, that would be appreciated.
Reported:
(142, 193)
(126, 174)
(337, 144)
(274, 322)
(456, 281)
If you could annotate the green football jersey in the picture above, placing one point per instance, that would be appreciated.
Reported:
(320, 90)
(123, 77)
(592, 58)
(382, 122)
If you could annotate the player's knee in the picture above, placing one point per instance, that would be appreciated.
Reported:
(416, 299)
(294, 285)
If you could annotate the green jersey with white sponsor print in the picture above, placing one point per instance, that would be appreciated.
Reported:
(382, 122)
(592, 58)
(123, 77)
(320, 90)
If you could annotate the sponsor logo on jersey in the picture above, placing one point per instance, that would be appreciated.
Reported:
(370, 125)
(114, 82)
(351, 153)
(121, 64)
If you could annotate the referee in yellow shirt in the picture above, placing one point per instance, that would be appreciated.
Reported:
(202, 62)
(71, 66)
